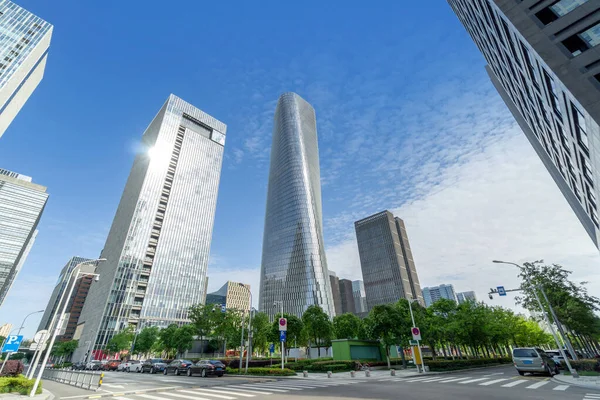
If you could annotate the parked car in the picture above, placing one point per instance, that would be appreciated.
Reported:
(530, 359)
(556, 357)
(153, 365)
(177, 367)
(122, 366)
(134, 366)
(205, 368)
(94, 365)
(78, 366)
(111, 365)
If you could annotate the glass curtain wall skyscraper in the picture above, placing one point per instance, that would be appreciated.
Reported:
(158, 246)
(21, 205)
(24, 43)
(386, 261)
(543, 59)
(294, 267)
(435, 293)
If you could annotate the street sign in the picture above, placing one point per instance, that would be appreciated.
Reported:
(38, 346)
(501, 291)
(272, 348)
(282, 324)
(12, 343)
(416, 333)
(413, 343)
(223, 308)
(282, 336)
(40, 335)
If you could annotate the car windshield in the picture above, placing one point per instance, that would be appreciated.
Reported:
(134, 362)
(186, 362)
(156, 360)
(529, 353)
(217, 362)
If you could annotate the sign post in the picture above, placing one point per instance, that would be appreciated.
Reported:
(282, 337)
(501, 291)
(11, 345)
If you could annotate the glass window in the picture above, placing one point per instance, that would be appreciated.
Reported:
(553, 92)
(580, 127)
(529, 353)
(564, 7)
(583, 40)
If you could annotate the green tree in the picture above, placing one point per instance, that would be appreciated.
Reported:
(347, 326)
(319, 329)
(201, 316)
(167, 339)
(184, 337)
(69, 347)
(260, 332)
(120, 341)
(294, 334)
(146, 340)
(382, 324)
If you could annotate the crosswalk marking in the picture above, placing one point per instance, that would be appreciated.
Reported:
(589, 396)
(182, 396)
(561, 387)
(492, 382)
(455, 379)
(514, 383)
(260, 387)
(433, 379)
(537, 385)
(198, 391)
(148, 396)
(246, 390)
(418, 379)
(121, 398)
(473, 380)
(287, 387)
(227, 392)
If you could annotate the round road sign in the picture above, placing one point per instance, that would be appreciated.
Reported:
(416, 331)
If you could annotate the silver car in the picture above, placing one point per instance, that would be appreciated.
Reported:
(534, 360)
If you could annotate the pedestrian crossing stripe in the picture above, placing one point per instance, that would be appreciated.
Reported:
(492, 382)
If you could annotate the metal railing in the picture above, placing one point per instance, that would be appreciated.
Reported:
(90, 380)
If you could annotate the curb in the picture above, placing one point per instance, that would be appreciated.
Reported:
(571, 383)
(49, 394)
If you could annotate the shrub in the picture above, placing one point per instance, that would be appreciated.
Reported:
(12, 368)
(583, 365)
(18, 384)
(235, 364)
(267, 372)
(445, 365)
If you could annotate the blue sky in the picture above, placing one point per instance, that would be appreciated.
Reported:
(407, 120)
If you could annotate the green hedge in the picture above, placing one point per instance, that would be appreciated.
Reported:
(321, 366)
(584, 365)
(19, 384)
(446, 365)
(266, 372)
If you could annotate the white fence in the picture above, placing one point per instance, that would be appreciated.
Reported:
(90, 380)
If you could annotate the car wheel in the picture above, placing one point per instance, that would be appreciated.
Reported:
(152, 370)
(128, 370)
(521, 373)
(203, 374)
(189, 372)
(220, 375)
(139, 370)
(556, 370)
(165, 372)
(177, 371)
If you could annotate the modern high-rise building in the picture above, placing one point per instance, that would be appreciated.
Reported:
(233, 295)
(334, 282)
(347, 296)
(21, 205)
(466, 296)
(158, 245)
(544, 61)
(5, 330)
(61, 285)
(388, 268)
(360, 296)
(24, 43)
(435, 293)
(294, 266)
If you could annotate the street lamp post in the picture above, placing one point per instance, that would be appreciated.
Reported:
(18, 333)
(275, 303)
(249, 328)
(560, 347)
(54, 324)
(412, 317)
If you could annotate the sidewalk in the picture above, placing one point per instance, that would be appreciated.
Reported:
(588, 382)
(46, 395)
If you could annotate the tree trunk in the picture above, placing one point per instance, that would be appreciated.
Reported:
(387, 355)
(403, 357)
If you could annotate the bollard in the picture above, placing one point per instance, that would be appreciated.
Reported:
(305, 374)
(352, 374)
(368, 373)
(329, 374)
(392, 372)
(100, 381)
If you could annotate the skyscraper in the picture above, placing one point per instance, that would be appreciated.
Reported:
(466, 296)
(347, 296)
(21, 205)
(158, 245)
(24, 42)
(334, 282)
(543, 61)
(232, 295)
(435, 293)
(61, 286)
(360, 296)
(388, 269)
(294, 267)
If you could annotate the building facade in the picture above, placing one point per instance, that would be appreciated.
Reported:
(360, 296)
(435, 293)
(158, 246)
(60, 287)
(233, 295)
(347, 296)
(466, 296)
(5, 330)
(543, 60)
(386, 261)
(24, 43)
(334, 282)
(21, 205)
(294, 266)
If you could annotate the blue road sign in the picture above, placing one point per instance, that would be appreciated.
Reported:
(501, 291)
(272, 348)
(223, 309)
(12, 343)
(282, 335)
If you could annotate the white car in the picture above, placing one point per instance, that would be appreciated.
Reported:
(133, 366)
(122, 366)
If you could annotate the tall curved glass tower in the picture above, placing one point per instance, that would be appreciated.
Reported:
(294, 267)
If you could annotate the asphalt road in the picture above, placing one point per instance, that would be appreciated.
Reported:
(490, 384)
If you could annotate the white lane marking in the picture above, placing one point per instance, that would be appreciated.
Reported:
(198, 391)
(561, 387)
(277, 386)
(245, 390)
(434, 379)
(226, 392)
(121, 398)
(147, 396)
(170, 380)
(418, 379)
(259, 387)
(495, 373)
(110, 385)
(182, 396)
(307, 384)
(454, 379)
(473, 380)
(591, 396)
(537, 385)
(515, 383)
(492, 382)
